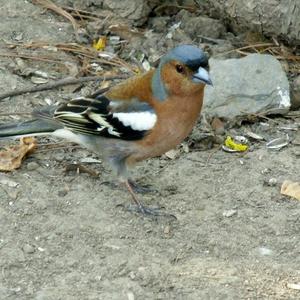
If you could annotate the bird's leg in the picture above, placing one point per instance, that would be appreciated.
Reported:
(134, 197)
(140, 189)
(144, 209)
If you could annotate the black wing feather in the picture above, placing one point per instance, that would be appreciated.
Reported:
(95, 117)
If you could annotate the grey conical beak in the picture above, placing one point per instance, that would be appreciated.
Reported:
(202, 75)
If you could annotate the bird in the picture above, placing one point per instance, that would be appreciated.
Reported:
(142, 117)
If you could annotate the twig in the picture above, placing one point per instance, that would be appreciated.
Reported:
(84, 12)
(40, 58)
(59, 83)
(52, 6)
(247, 47)
(81, 168)
(14, 114)
(212, 153)
(58, 148)
(260, 115)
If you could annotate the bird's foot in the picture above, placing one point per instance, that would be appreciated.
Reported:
(137, 188)
(141, 189)
(147, 211)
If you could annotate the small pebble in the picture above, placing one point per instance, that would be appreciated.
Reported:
(28, 249)
(31, 166)
(265, 171)
(296, 153)
(229, 213)
(13, 194)
(264, 251)
(294, 286)
(167, 230)
(62, 193)
(132, 275)
(130, 296)
(270, 182)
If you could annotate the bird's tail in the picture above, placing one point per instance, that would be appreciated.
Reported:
(28, 128)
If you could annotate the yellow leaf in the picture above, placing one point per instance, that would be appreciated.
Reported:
(100, 44)
(230, 143)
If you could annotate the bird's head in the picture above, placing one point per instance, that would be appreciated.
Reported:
(182, 71)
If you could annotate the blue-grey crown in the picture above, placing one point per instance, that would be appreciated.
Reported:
(189, 55)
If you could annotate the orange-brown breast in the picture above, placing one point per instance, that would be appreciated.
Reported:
(176, 118)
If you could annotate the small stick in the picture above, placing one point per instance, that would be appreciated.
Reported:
(52, 6)
(58, 83)
(14, 114)
(32, 57)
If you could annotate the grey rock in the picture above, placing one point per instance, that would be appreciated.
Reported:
(295, 92)
(202, 26)
(133, 10)
(31, 166)
(37, 29)
(159, 24)
(253, 84)
(276, 18)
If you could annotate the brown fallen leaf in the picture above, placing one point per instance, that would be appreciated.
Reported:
(11, 157)
(290, 188)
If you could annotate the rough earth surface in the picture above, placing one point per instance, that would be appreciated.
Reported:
(65, 235)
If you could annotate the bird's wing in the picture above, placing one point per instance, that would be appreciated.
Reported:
(113, 118)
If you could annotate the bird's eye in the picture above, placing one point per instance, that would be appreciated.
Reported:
(179, 68)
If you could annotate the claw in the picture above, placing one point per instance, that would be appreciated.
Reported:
(140, 208)
(141, 189)
(148, 211)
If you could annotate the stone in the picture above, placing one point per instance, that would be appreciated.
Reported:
(31, 166)
(158, 24)
(295, 93)
(250, 85)
(29, 249)
(135, 11)
(229, 213)
(273, 18)
(196, 27)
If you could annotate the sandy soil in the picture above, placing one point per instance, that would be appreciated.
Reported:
(63, 235)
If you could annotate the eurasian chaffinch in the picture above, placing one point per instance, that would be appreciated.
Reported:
(143, 117)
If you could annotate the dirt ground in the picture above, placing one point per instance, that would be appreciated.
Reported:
(63, 235)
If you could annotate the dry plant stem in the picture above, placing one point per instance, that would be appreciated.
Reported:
(57, 148)
(59, 83)
(32, 57)
(260, 115)
(73, 48)
(248, 47)
(52, 6)
(14, 114)
(212, 153)
(83, 12)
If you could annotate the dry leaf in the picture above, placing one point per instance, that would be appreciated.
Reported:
(290, 188)
(100, 44)
(172, 154)
(11, 158)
